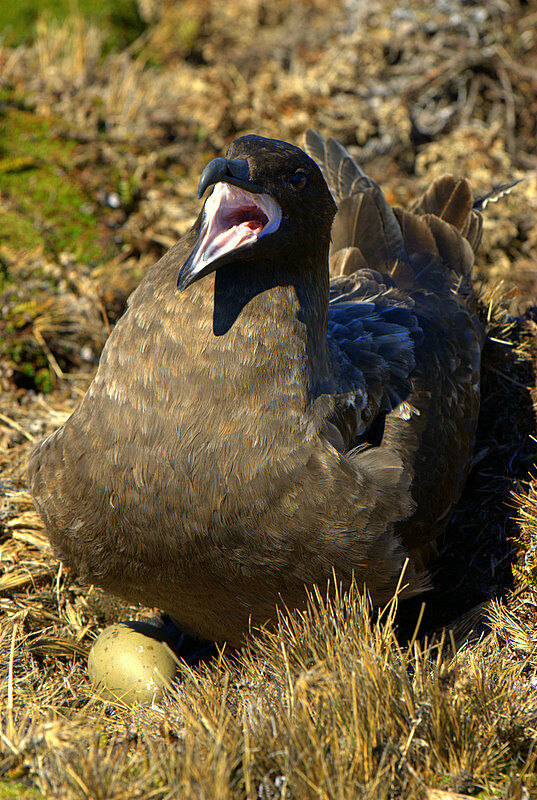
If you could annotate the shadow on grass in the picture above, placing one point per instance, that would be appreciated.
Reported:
(476, 551)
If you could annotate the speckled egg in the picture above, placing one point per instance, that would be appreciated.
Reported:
(131, 663)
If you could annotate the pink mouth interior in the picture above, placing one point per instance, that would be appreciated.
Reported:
(250, 216)
(233, 218)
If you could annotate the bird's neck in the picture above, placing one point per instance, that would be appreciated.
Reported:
(266, 315)
(235, 359)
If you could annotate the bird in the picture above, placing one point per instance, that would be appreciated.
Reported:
(290, 398)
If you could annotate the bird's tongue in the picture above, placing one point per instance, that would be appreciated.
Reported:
(233, 218)
(232, 237)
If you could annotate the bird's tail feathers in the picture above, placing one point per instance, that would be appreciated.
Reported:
(431, 246)
(437, 256)
(450, 199)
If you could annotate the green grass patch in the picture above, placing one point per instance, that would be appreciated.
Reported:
(119, 18)
(47, 208)
(15, 790)
(44, 199)
(17, 228)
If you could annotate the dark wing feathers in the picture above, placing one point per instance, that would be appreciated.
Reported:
(368, 210)
(340, 170)
(475, 231)
(411, 293)
(346, 179)
(448, 198)
(416, 233)
(373, 353)
(451, 200)
(346, 261)
(455, 250)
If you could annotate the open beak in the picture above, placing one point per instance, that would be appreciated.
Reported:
(236, 215)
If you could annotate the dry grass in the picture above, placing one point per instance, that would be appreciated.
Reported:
(332, 705)
(339, 702)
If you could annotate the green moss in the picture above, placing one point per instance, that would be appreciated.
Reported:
(128, 188)
(16, 228)
(119, 18)
(188, 32)
(18, 791)
(43, 380)
(46, 206)
(26, 358)
(45, 201)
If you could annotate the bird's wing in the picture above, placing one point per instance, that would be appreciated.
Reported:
(372, 346)
(402, 314)
(361, 203)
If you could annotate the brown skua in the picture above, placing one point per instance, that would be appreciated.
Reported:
(293, 391)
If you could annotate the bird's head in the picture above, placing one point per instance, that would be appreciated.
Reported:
(268, 196)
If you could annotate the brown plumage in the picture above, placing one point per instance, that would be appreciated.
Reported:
(261, 425)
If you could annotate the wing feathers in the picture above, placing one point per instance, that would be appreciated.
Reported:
(454, 249)
(346, 261)
(450, 199)
(406, 325)
(357, 220)
(416, 233)
(475, 230)
(363, 221)
(339, 169)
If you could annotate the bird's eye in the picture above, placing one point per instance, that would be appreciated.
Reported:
(298, 180)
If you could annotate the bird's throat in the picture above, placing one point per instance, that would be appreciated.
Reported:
(272, 313)
(242, 358)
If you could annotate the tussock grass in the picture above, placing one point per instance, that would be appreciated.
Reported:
(330, 705)
(526, 504)
(338, 701)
